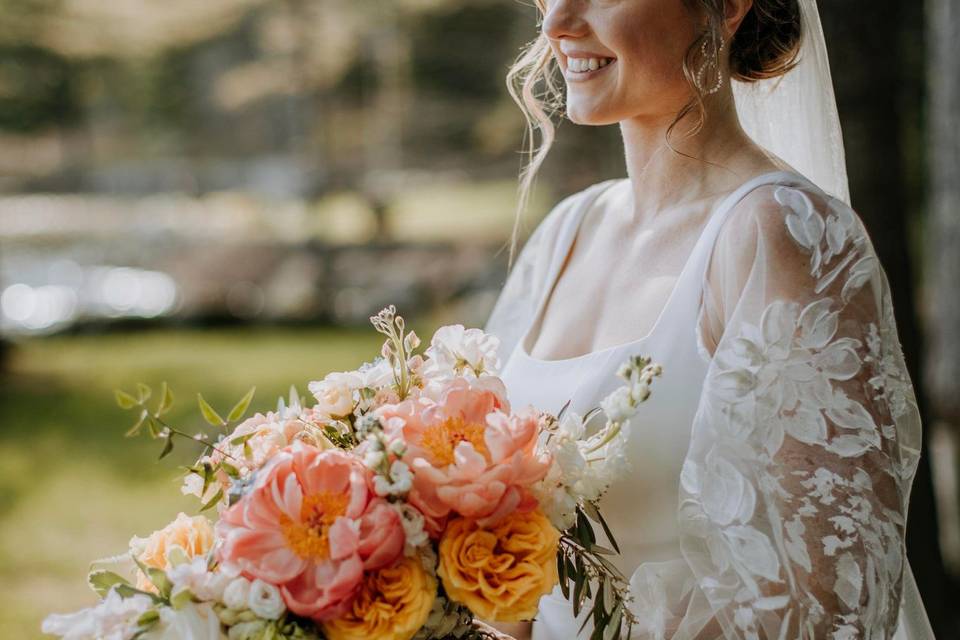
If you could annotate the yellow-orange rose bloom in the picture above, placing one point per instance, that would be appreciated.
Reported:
(184, 538)
(393, 604)
(500, 573)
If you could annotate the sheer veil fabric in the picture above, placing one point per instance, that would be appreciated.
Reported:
(792, 495)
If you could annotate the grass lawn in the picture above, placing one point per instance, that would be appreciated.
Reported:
(72, 489)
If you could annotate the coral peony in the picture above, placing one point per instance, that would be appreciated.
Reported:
(180, 541)
(392, 604)
(468, 456)
(500, 573)
(311, 526)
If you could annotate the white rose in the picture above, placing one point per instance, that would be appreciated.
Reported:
(334, 393)
(265, 601)
(236, 593)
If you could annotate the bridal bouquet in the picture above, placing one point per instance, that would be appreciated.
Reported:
(409, 501)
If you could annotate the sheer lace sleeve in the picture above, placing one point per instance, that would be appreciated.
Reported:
(795, 488)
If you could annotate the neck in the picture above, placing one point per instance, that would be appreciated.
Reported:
(661, 177)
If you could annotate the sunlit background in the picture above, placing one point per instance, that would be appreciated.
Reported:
(219, 193)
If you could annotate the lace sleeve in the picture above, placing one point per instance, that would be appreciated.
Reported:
(795, 488)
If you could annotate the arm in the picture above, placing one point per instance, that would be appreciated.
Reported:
(795, 488)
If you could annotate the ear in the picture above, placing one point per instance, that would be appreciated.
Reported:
(733, 13)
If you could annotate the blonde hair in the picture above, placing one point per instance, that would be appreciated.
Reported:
(766, 45)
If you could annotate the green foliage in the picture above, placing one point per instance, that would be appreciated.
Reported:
(582, 562)
(101, 581)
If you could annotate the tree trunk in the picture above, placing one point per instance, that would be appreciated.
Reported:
(877, 57)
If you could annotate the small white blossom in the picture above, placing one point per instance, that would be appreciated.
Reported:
(265, 601)
(198, 579)
(398, 483)
(413, 524)
(115, 618)
(191, 620)
(456, 351)
(619, 405)
(372, 459)
(235, 595)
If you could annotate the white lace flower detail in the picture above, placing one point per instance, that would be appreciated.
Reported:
(785, 370)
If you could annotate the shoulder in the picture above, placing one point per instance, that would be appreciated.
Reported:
(566, 212)
(576, 203)
(798, 234)
(796, 220)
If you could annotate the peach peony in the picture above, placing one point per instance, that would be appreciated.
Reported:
(468, 455)
(180, 541)
(311, 526)
(500, 573)
(393, 604)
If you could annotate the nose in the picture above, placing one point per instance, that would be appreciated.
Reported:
(564, 18)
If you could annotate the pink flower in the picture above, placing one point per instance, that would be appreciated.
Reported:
(468, 455)
(311, 526)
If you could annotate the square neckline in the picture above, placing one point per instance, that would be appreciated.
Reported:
(554, 276)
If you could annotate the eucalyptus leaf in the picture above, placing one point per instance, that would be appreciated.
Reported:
(241, 407)
(212, 501)
(124, 399)
(208, 413)
(101, 581)
(135, 429)
(167, 447)
(166, 399)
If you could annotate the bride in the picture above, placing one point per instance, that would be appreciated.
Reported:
(771, 468)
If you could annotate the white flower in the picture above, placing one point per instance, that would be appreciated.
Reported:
(571, 426)
(335, 393)
(376, 374)
(372, 459)
(413, 530)
(398, 483)
(265, 601)
(195, 576)
(619, 405)
(456, 351)
(235, 595)
(193, 621)
(115, 618)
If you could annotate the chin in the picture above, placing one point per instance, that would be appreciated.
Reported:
(590, 116)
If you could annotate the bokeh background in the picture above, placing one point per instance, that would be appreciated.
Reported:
(218, 194)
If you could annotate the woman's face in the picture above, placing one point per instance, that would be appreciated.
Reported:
(621, 59)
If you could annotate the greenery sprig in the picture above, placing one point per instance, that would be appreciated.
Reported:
(584, 565)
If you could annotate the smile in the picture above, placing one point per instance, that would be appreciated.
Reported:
(579, 69)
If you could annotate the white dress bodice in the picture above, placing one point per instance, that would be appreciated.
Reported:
(641, 506)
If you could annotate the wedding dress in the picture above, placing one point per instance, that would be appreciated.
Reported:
(772, 464)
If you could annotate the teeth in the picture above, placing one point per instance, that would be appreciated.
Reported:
(582, 65)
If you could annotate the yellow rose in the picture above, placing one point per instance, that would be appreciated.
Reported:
(500, 573)
(392, 604)
(183, 539)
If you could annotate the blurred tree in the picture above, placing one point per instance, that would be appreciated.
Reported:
(944, 223)
(878, 60)
(36, 89)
